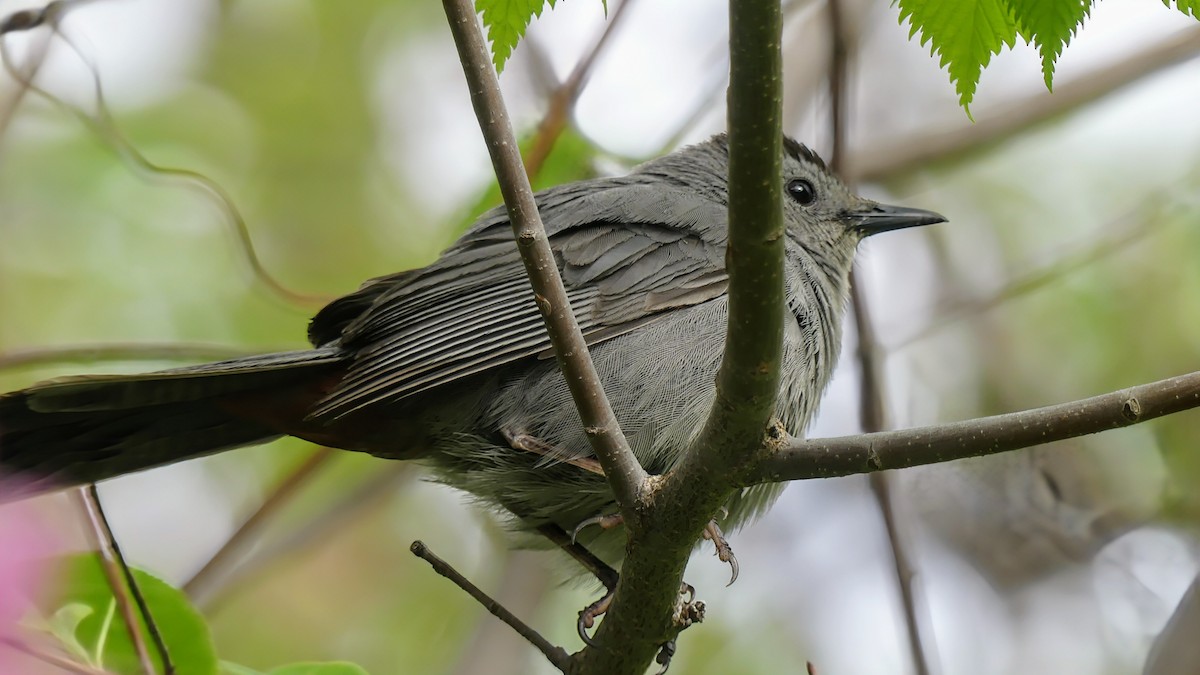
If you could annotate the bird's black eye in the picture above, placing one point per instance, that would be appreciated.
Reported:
(802, 191)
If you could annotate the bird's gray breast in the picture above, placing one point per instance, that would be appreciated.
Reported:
(660, 379)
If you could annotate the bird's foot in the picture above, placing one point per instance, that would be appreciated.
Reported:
(588, 615)
(713, 533)
(605, 521)
(687, 612)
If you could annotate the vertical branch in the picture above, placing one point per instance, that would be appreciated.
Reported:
(871, 403)
(640, 619)
(748, 380)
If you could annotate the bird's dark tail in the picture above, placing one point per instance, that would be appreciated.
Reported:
(78, 430)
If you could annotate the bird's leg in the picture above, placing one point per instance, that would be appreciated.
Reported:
(712, 532)
(688, 612)
(604, 574)
(519, 440)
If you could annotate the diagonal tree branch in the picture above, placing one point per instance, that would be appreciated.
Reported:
(911, 153)
(625, 476)
(847, 455)
(555, 655)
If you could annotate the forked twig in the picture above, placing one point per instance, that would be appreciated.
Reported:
(28, 70)
(557, 656)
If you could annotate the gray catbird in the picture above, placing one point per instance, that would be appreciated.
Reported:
(450, 363)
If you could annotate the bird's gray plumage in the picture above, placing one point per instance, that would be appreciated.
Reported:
(448, 363)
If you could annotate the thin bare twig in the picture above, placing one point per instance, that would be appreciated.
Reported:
(556, 655)
(563, 100)
(283, 493)
(132, 351)
(872, 414)
(104, 126)
(118, 574)
(872, 418)
(885, 162)
(864, 453)
(48, 657)
(28, 70)
(714, 89)
(523, 584)
(625, 475)
(1116, 238)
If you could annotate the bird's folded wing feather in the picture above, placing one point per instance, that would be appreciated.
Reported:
(627, 256)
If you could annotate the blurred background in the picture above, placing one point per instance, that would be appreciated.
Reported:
(343, 134)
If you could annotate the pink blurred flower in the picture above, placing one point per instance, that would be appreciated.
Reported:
(26, 544)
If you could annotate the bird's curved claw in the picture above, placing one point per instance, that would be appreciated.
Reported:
(605, 521)
(587, 617)
(713, 533)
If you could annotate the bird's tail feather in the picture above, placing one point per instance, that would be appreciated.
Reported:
(77, 430)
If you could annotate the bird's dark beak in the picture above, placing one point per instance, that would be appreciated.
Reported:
(884, 218)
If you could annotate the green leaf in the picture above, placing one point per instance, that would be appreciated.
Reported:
(84, 598)
(964, 33)
(328, 668)
(506, 21)
(1049, 25)
(1191, 7)
(64, 625)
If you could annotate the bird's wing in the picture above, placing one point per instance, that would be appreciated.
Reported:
(473, 310)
